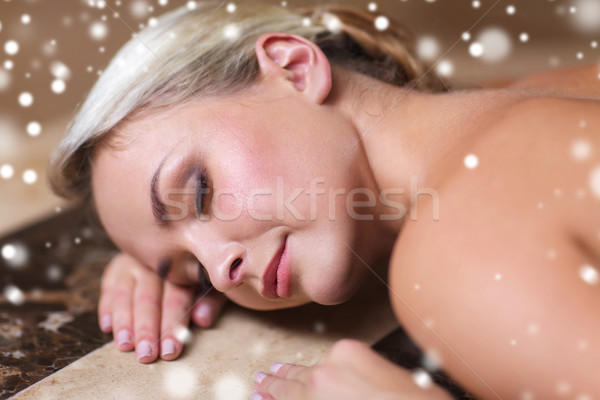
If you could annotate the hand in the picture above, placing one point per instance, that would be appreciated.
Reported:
(350, 370)
(146, 313)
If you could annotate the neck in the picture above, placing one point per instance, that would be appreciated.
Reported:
(407, 137)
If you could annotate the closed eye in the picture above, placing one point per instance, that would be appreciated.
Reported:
(202, 189)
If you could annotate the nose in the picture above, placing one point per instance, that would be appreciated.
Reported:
(226, 269)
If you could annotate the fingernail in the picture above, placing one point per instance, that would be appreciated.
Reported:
(168, 347)
(143, 349)
(275, 367)
(105, 322)
(123, 337)
(259, 376)
(204, 312)
(256, 396)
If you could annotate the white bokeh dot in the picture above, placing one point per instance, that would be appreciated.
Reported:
(59, 70)
(191, 5)
(581, 149)
(231, 7)
(25, 99)
(179, 381)
(139, 8)
(16, 255)
(476, 4)
(332, 22)
(231, 31)
(25, 19)
(382, 23)
(428, 47)
(58, 86)
(11, 47)
(230, 387)
(466, 36)
(527, 395)
(183, 334)
(524, 37)
(445, 68)
(511, 10)
(563, 388)
(54, 273)
(587, 16)
(34, 128)
(471, 161)
(533, 329)
(431, 360)
(372, 6)
(476, 49)
(30, 176)
(163, 2)
(6, 171)
(589, 274)
(9, 251)
(14, 295)
(8, 65)
(496, 44)
(422, 378)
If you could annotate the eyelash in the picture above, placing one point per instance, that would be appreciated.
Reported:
(202, 189)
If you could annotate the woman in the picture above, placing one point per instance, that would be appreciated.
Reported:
(280, 154)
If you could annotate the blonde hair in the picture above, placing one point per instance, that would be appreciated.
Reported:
(209, 51)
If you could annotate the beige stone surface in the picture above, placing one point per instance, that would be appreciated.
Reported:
(219, 363)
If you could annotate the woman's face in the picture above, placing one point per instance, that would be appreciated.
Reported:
(277, 170)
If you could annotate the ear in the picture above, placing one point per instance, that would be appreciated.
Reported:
(297, 60)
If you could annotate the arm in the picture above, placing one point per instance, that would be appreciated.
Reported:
(146, 313)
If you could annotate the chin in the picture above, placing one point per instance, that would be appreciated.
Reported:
(330, 293)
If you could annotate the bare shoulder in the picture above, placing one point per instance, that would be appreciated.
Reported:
(499, 288)
(574, 81)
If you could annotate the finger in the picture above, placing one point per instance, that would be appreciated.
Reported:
(121, 304)
(208, 307)
(175, 318)
(105, 302)
(290, 371)
(278, 388)
(146, 322)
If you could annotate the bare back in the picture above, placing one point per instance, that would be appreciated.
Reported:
(501, 289)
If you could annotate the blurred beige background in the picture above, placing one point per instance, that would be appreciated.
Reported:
(64, 44)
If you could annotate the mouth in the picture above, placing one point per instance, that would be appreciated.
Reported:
(276, 280)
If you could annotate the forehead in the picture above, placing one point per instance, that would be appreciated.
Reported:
(121, 174)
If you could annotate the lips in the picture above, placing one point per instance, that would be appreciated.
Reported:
(276, 281)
